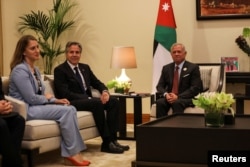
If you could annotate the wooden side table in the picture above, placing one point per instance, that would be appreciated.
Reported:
(240, 98)
(137, 112)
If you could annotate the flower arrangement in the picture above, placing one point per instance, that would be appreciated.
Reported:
(216, 105)
(119, 86)
(214, 101)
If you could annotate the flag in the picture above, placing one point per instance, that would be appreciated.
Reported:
(165, 36)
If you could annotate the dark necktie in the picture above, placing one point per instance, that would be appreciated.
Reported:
(176, 81)
(78, 76)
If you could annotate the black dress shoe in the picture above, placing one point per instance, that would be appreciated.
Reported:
(112, 148)
(124, 147)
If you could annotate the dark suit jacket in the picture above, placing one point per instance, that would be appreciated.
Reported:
(1, 90)
(67, 85)
(190, 83)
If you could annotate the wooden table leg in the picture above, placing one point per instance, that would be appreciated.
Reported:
(122, 118)
(239, 106)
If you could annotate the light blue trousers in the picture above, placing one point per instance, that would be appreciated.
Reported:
(65, 116)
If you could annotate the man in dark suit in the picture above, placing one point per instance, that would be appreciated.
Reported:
(177, 92)
(11, 133)
(73, 80)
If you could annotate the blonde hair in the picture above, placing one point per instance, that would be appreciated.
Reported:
(21, 45)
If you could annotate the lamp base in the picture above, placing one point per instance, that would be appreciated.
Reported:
(123, 77)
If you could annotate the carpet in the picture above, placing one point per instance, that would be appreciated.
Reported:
(93, 154)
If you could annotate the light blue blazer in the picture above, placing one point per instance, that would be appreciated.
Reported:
(27, 87)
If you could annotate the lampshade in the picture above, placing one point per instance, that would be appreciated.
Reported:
(123, 57)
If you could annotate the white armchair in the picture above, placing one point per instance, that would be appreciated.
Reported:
(213, 78)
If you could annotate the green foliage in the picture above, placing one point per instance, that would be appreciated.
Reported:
(246, 32)
(242, 40)
(114, 83)
(213, 101)
(48, 28)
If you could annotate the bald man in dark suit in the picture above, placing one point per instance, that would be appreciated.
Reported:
(188, 84)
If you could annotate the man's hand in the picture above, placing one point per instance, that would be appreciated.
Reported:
(5, 107)
(171, 97)
(104, 97)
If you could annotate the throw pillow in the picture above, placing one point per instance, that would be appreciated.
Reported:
(206, 78)
(5, 85)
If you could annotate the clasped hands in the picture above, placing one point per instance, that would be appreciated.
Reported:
(105, 97)
(171, 97)
(5, 107)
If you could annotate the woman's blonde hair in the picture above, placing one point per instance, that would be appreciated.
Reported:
(21, 45)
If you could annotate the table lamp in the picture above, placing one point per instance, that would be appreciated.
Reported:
(123, 57)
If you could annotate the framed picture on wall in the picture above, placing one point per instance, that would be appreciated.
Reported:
(222, 9)
(231, 64)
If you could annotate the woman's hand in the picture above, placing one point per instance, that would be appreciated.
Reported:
(48, 96)
(5, 107)
(62, 101)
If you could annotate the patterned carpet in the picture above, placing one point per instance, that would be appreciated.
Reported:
(93, 154)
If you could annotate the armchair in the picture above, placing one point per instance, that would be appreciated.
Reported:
(213, 79)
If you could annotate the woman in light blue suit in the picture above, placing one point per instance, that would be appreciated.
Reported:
(26, 85)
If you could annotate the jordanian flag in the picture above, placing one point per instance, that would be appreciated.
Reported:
(165, 36)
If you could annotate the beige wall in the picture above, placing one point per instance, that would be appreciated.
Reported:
(103, 24)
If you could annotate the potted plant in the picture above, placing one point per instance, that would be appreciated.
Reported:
(119, 86)
(49, 28)
(215, 105)
(241, 40)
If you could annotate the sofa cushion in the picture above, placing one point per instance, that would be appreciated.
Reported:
(85, 119)
(49, 86)
(5, 85)
(206, 77)
(40, 129)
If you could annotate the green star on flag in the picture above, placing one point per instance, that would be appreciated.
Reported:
(165, 36)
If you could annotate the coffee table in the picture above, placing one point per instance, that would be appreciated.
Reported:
(183, 138)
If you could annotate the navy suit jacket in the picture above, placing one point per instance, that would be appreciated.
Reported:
(190, 83)
(68, 86)
(1, 90)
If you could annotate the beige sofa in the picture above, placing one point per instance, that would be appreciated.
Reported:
(44, 135)
(213, 78)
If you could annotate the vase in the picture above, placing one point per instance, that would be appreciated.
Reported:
(119, 90)
(122, 90)
(214, 118)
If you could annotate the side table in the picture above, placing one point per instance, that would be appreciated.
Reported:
(240, 98)
(137, 112)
